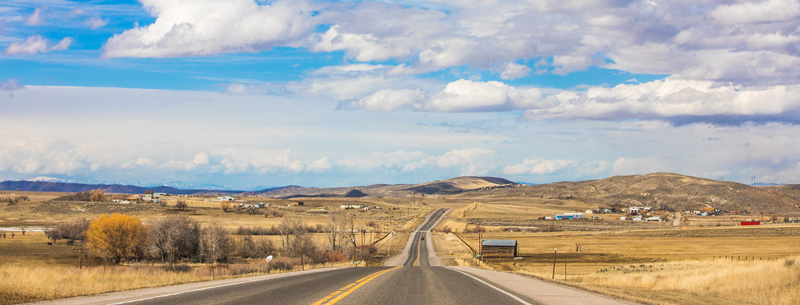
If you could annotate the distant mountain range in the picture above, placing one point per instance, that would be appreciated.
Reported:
(64, 187)
(444, 187)
(663, 190)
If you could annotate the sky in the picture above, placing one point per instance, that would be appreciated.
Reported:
(247, 94)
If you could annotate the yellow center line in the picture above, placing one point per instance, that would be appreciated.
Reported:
(416, 262)
(346, 290)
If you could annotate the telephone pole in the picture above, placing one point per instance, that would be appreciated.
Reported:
(79, 250)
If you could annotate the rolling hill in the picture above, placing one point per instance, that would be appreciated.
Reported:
(665, 190)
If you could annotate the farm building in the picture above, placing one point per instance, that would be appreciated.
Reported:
(348, 206)
(498, 248)
(569, 216)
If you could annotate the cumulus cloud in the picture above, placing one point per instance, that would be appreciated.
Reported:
(386, 100)
(37, 44)
(762, 11)
(41, 156)
(458, 96)
(538, 166)
(514, 70)
(671, 98)
(193, 28)
(471, 161)
(694, 41)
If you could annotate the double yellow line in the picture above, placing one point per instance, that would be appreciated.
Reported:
(416, 262)
(346, 290)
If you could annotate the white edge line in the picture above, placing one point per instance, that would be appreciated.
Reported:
(493, 286)
(204, 288)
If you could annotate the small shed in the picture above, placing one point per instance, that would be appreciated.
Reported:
(499, 247)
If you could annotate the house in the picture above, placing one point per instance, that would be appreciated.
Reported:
(653, 218)
(226, 198)
(498, 248)
(348, 206)
(637, 210)
(569, 216)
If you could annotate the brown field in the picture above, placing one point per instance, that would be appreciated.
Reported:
(32, 270)
(708, 260)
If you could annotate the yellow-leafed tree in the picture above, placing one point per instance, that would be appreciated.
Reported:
(117, 236)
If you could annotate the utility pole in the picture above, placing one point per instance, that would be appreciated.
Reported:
(79, 250)
(172, 256)
(555, 253)
(353, 236)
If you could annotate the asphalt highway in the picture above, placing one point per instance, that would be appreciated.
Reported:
(415, 282)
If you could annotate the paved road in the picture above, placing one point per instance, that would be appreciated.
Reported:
(415, 281)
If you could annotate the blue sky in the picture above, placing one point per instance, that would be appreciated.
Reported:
(248, 94)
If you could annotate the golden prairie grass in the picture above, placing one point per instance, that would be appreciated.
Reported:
(661, 266)
(773, 282)
(27, 282)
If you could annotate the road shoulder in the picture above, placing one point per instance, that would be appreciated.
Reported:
(540, 291)
(156, 292)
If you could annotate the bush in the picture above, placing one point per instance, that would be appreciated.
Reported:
(71, 231)
(178, 235)
(476, 229)
(283, 263)
(97, 195)
(181, 205)
(13, 199)
(116, 237)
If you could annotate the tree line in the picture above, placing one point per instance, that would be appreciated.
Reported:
(120, 237)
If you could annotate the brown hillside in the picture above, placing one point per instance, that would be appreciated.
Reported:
(662, 190)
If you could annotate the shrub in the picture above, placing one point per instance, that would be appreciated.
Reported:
(283, 263)
(71, 231)
(177, 234)
(181, 205)
(117, 236)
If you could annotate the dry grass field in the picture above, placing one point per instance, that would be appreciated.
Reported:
(708, 261)
(32, 270)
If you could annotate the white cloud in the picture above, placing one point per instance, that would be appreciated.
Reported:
(514, 70)
(401, 160)
(36, 17)
(471, 161)
(388, 99)
(11, 85)
(95, 22)
(538, 166)
(748, 42)
(40, 156)
(762, 11)
(37, 44)
(320, 164)
(193, 28)
(670, 98)
(468, 95)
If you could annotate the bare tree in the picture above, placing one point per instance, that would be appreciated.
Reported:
(176, 236)
(287, 228)
(214, 243)
(72, 231)
(181, 205)
(334, 229)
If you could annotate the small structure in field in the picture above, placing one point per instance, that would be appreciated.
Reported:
(348, 206)
(569, 216)
(498, 247)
